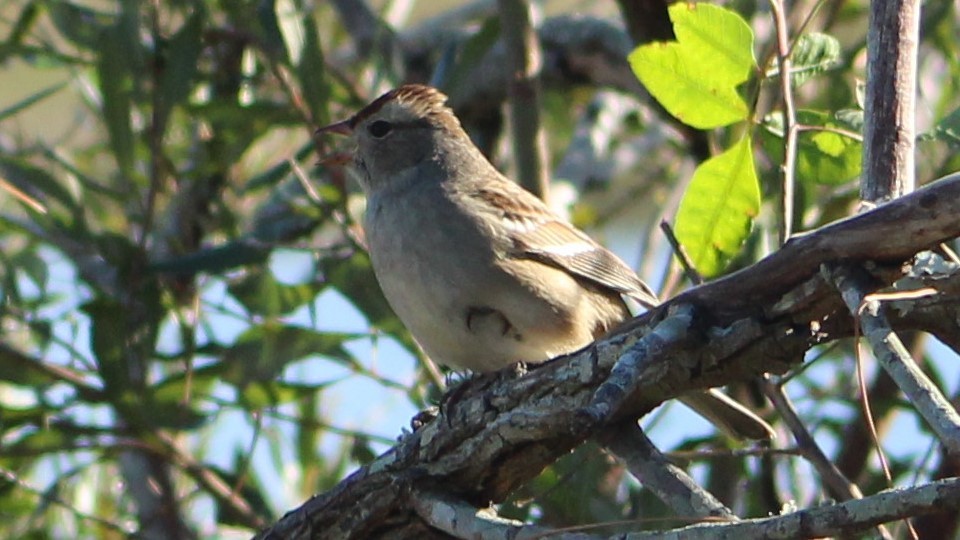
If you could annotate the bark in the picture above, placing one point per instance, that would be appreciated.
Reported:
(494, 433)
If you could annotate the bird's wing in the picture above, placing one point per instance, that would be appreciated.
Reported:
(539, 234)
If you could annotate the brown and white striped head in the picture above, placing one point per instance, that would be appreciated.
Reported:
(404, 135)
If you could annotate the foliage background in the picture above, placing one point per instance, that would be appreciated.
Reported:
(192, 339)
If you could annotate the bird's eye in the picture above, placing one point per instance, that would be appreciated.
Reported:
(380, 128)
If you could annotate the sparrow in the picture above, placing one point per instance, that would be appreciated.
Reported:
(482, 272)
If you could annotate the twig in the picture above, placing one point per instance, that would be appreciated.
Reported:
(462, 520)
(681, 254)
(837, 484)
(832, 520)
(669, 483)
(50, 496)
(871, 424)
(212, 483)
(711, 453)
(893, 356)
(524, 61)
(867, 411)
(828, 129)
(789, 123)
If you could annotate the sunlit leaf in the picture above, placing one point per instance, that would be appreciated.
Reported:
(695, 77)
(718, 208)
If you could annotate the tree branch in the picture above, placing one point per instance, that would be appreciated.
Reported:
(524, 61)
(832, 520)
(889, 128)
(501, 430)
(893, 356)
(669, 483)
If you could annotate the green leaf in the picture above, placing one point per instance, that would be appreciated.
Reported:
(260, 293)
(41, 442)
(33, 266)
(180, 65)
(198, 382)
(271, 176)
(695, 78)
(116, 87)
(823, 157)
(946, 130)
(80, 25)
(812, 54)
(290, 23)
(19, 368)
(267, 26)
(30, 100)
(22, 28)
(454, 73)
(262, 352)
(312, 71)
(718, 208)
(353, 276)
(257, 395)
(36, 182)
(217, 259)
(107, 342)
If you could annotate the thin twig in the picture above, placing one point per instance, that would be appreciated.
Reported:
(50, 496)
(789, 123)
(212, 483)
(828, 129)
(867, 410)
(669, 483)
(893, 356)
(681, 254)
(830, 520)
(837, 484)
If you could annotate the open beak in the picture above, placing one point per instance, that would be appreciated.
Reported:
(337, 159)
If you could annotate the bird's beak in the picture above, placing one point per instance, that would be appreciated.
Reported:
(337, 159)
(340, 128)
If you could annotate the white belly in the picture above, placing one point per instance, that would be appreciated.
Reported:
(461, 307)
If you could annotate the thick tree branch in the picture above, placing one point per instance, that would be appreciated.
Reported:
(889, 128)
(499, 431)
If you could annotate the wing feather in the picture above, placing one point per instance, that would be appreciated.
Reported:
(539, 234)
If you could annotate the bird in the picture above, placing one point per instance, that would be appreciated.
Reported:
(482, 272)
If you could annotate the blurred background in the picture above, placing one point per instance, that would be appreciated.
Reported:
(193, 342)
